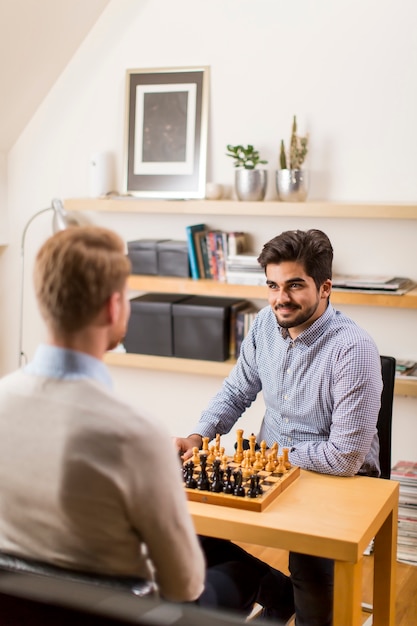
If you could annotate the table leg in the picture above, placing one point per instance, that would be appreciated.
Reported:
(385, 560)
(347, 593)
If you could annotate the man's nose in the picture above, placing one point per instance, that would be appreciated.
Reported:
(282, 298)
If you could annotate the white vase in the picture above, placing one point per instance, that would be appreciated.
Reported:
(250, 185)
(292, 185)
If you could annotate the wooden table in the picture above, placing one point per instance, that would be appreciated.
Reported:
(328, 516)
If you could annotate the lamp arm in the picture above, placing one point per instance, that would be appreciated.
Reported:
(28, 223)
(22, 279)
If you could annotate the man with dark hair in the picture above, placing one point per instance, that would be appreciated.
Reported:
(320, 376)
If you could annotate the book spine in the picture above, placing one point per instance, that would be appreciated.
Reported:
(211, 248)
(240, 330)
(191, 249)
(220, 258)
(234, 309)
(198, 238)
(206, 259)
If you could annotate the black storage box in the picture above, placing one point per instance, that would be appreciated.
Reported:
(150, 325)
(143, 254)
(202, 328)
(173, 258)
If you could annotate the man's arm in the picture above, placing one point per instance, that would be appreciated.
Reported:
(159, 511)
(357, 388)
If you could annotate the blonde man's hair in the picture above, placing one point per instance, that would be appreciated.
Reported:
(76, 271)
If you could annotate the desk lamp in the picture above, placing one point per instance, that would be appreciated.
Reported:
(60, 221)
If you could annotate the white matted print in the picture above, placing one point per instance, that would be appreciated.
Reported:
(166, 133)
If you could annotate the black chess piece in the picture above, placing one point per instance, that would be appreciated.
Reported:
(253, 491)
(259, 488)
(217, 477)
(228, 485)
(190, 481)
(203, 481)
(238, 490)
(185, 469)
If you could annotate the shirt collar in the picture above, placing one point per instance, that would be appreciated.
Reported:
(313, 332)
(62, 363)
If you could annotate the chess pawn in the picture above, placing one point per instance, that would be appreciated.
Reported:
(270, 466)
(287, 462)
(258, 464)
(246, 465)
(224, 461)
(196, 457)
(280, 467)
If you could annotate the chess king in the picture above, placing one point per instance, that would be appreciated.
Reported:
(320, 376)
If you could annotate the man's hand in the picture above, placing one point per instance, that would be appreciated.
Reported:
(185, 445)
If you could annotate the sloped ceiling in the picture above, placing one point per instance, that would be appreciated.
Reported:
(37, 40)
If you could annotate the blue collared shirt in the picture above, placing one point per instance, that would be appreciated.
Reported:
(54, 362)
(322, 393)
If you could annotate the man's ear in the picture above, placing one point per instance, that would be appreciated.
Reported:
(326, 288)
(113, 307)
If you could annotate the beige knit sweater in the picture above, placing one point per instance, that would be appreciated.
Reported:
(87, 482)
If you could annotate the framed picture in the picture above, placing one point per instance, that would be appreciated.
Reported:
(166, 132)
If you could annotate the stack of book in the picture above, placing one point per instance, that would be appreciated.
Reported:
(395, 285)
(406, 473)
(241, 320)
(209, 249)
(406, 367)
(244, 269)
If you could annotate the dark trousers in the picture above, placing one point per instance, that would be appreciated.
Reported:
(236, 579)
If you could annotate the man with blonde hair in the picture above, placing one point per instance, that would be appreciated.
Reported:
(90, 483)
(74, 459)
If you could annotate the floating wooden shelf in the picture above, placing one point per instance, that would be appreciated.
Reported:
(169, 364)
(172, 284)
(120, 204)
(403, 387)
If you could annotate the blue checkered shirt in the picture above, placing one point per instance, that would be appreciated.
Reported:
(322, 393)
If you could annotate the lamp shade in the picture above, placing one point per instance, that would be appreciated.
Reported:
(62, 219)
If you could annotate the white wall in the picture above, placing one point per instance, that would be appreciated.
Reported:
(346, 69)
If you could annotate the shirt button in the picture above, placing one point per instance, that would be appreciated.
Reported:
(286, 420)
(288, 370)
(285, 397)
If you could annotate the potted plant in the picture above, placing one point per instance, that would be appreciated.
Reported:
(291, 179)
(250, 183)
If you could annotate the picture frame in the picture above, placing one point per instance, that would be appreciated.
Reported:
(166, 132)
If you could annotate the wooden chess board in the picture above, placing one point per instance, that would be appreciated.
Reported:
(272, 485)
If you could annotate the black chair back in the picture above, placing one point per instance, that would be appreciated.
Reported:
(384, 424)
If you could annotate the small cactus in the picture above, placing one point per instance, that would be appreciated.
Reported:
(298, 149)
(282, 156)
